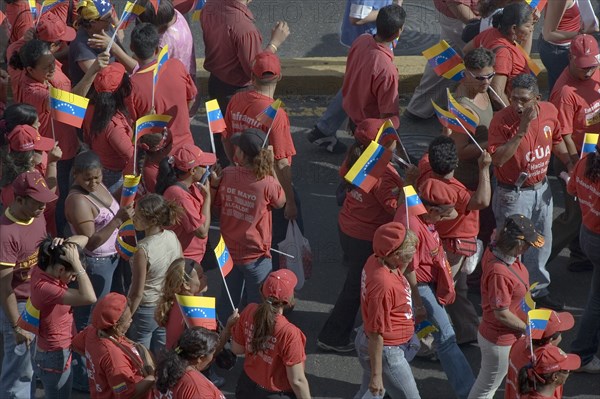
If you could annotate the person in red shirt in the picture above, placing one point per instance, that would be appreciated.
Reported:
(370, 88)
(585, 185)
(245, 196)
(117, 368)
(59, 263)
(520, 352)
(152, 148)
(22, 228)
(175, 90)
(521, 139)
(18, 14)
(273, 347)
(576, 97)
(549, 372)
(178, 374)
(513, 27)
(107, 128)
(504, 285)
(387, 315)
(361, 214)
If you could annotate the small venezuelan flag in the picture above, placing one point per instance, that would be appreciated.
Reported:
(30, 318)
(67, 107)
(527, 303)
(49, 4)
(447, 118)
(445, 61)
(126, 233)
(151, 124)
(130, 187)
(130, 12)
(425, 328)
(590, 141)
(198, 10)
(198, 311)
(468, 119)
(122, 387)
(223, 257)
(386, 133)
(413, 203)
(216, 122)
(268, 115)
(369, 167)
(538, 320)
(537, 4)
(33, 8)
(163, 56)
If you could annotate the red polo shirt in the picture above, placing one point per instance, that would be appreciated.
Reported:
(231, 41)
(588, 195)
(385, 303)
(114, 144)
(535, 148)
(371, 81)
(174, 89)
(20, 19)
(578, 105)
(192, 385)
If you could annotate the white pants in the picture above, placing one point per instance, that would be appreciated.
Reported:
(494, 366)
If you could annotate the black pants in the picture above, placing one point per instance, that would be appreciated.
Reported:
(248, 389)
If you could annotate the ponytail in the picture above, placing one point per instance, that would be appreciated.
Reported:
(168, 175)
(264, 323)
(524, 385)
(158, 211)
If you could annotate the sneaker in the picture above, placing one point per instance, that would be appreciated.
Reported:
(591, 367)
(580, 266)
(547, 302)
(349, 347)
(330, 143)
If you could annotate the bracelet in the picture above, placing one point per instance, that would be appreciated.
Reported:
(272, 45)
(79, 273)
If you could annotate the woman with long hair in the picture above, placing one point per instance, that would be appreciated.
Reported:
(152, 148)
(273, 347)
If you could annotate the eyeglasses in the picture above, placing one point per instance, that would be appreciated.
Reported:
(483, 77)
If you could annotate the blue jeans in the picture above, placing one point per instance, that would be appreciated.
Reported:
(334, 116)
(280, 225)
(555, 59)
(145, 330)
(536, 205)
(17, 373)
(587, 340)
(398, 379)
(455, 365)
(250, 276)
(50, 368)
(113, 180)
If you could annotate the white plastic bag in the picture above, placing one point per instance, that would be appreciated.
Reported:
(297, 246)
(471, 262)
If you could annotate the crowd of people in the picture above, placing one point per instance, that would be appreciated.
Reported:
(482, 206)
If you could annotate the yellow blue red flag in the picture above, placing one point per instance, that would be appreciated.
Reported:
(163, 56)
(413, 203)
(537, 4)
(386, 132)
(447, 118)
(445, 61)
(67, 107)
(198, 10)
(126, 244)
(538, 320)
(590, 140)
(216, 122)
(150, 124)
(369, 167)
(268, 115)
(198, 311)
(223, 257)
(468, 119)
(29, 320)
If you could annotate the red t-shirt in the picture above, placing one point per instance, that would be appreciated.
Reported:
(19, 249)
(191, 201)
(111, 373)
(520, 356)
(370, 86)
(578, 105)
(588, 195)
(174, 89)
(501, 289)
(245, 212)
(114, 144)
(535, 148)
(362, 213)
(20, 19)
(286, 349)
(231, 41)
(175, 326)
(37, 94)
(385, 303)
(192, 385)
(241, 114)
(56, 319)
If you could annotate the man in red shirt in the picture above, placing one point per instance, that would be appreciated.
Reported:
(175, 90)
(575, 95)
(521, 139)
(370, 88)
(22, 228)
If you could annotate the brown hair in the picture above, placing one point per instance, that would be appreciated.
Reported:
(175, 277)
(262, 165)
(158, 211)
(264, 322)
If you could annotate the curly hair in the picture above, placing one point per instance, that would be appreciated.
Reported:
(15, 163)
(175, 277)
(158, 211)
(443, 156)
(592, 166)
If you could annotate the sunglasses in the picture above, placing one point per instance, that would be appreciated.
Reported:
(482, 78)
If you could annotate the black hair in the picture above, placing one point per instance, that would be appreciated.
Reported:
(526, 81)
(49, 255)
(526, 384)
(144, 40)
(17, 114)
(487, 7)
(513, 14)
(544, 341)
(30, 54)
(592, 166)
(168, 175)
(193, 344)
(479, 58)
(443, 156)
(390, 20)
(107, 104)
(13, 164)
(160, 18)
(85, 161)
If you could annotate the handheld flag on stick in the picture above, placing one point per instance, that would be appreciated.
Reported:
(198, 311)
(369, 167)
(130, 11)
(590, 140)
(451, 121)
(29, 320)
(534, 68)
(198, 10)
(386, 132)
(126, 233)
(537, 4)
(163, 56)
(33, 8)
(225, 265)
(527, 303)
(216, 122)
(67, 107)
(538, 320)
(130, 187)
(467, 118)
(267, 117)
(47, 5)
(445, 61)
(414, 206)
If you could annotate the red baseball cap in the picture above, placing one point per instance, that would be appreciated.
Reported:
(52, 28)
(558, 322)
(437, 192)
(33, 184)
(280, 285)
(388, 238)
(367, 129)
(584, 49)
(109, 79)
(550, 358)
(189, 156)
(25, 138)
(266, 63)
(108, 311)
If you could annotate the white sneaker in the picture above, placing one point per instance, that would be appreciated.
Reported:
(592, 367)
